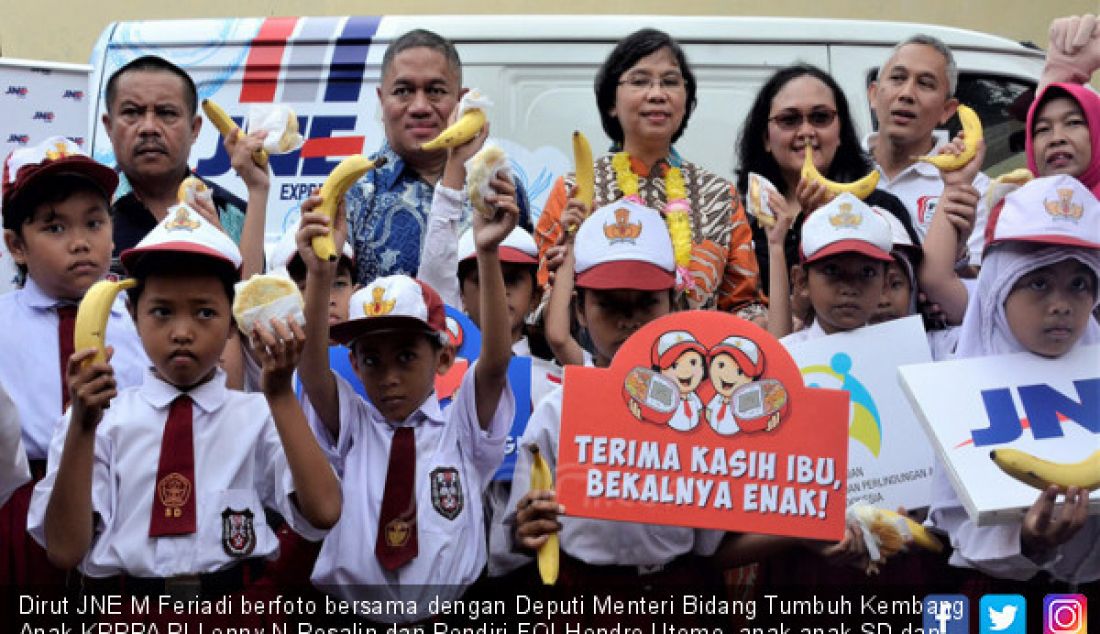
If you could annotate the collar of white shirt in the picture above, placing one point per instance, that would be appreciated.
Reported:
(922, 168)
(34, 297)
(209, 396)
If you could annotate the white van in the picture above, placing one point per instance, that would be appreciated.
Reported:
(539, 72)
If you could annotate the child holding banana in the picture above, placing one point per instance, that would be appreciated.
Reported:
(57, 226)
(1035, 293)
(414, 474)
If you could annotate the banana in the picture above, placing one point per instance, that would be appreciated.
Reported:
(860, 189)
(226, 126)
(1041, 474)
(480, 170)
(972, 127)
(459, 132)
(886, 526)
(190, 183)
(584, 169)
(332, 192)
(90, 330)
(543, 480)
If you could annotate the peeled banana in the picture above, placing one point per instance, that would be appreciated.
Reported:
(549, 552)
(332, 192)
(860, 189)
(225, 125)
(190, 184)
(90, 330)
(459, 132)
(1039, 473)
(887, 529)
(480, 170)
(972, 129)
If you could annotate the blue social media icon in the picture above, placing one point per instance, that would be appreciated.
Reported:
(1003, 614)
(946, 614)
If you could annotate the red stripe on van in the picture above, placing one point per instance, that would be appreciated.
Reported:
(265, 58)
(333, 146)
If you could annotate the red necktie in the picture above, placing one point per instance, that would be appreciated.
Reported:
(687, 408)
(174, 492)
(722, 410)
(396, 544)
(66, 323)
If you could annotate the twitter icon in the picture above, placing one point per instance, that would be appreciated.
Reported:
(1003, 614)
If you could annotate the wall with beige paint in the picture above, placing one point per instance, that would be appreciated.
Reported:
(66, 31)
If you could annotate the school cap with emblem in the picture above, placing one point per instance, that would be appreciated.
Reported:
(669, 346)
(744, 350)
(287, 247)
(395, 302)
(518, 247)
(1051, 210)
(845, 225)
(624, 245)
(184, 230)
(27, 166)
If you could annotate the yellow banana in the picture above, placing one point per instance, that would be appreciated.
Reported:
(885, 525)
(459, 132)
(860, 189)
(190, 183)
(549, 552)
(332, 192)
(972, 127)
(1041, 474)
(90, 330)
(225, 125)
(584, 169)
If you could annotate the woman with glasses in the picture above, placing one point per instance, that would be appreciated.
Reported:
(802, 106)
(645, 92)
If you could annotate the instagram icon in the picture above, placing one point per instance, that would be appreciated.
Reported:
(1065, 614)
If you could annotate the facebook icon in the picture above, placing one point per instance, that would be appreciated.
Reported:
(946, 614)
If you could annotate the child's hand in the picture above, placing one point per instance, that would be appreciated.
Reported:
(315, 223)
(278, 351)
(784, 218)
(537, 518)
(572, 216)
(965, 175)
(206, 209)
(812, 195)
(240, 151)
(850, 551)
(1046, 527)
(489, 233)
(959, 203)
(91, 387)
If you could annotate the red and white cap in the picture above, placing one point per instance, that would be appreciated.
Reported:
(55, 155)
(184, 230)
(395, 302)
(624, 245)
(899, 237)
(1051, 210)
(845, 225)
(287, 247)
(744, 351)
(671, 345)
(518, 247)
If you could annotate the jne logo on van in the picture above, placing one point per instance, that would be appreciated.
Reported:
(1046, 411)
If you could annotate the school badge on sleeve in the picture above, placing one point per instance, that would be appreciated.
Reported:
(446, 492)
(238, 533)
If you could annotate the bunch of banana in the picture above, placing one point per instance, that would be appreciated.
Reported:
(543, 480)
(861, 189)
(972, 134)
(1041, 474)
(467, 127)
(584, 171)
(90, 330)
(332, 192)
(225, 125)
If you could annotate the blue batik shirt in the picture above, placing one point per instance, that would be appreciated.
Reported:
(387, 215)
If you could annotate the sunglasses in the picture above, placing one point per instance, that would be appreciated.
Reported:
(792, 119)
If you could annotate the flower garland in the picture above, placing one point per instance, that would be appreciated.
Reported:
(677, 211)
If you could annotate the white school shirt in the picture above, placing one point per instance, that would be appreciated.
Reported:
(681, 420)
(30, 368)
(919, 187)
(996, 550)
(726, 425)
(439, 253)
(240, 468)
(14, 469)
(601, 542)
(814, 331)
(451, 551)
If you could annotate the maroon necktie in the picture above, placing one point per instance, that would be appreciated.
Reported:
(396, 544)
(66, 323)
(174, 492)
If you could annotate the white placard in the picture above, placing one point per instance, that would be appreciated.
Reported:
(890, 460)
(1047, 407)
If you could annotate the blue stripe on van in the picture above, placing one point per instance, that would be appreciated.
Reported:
(349, 59)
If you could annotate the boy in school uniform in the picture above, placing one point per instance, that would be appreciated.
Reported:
(413, 528)
(58, 229)
(164, 492)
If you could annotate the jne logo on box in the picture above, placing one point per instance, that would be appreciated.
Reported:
(946, 614)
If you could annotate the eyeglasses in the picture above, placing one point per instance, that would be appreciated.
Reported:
(792, 119)
(642, 83)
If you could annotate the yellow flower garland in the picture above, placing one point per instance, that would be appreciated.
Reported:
(677, 210)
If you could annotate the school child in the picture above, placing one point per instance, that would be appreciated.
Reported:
(58, 229)
(1035, 293)
(413, 475)
(172, 480)
(621, 286)
(680, 357)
